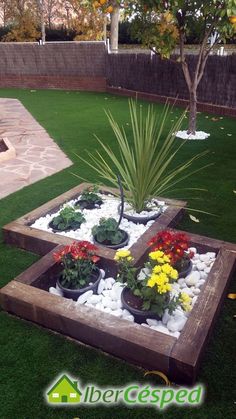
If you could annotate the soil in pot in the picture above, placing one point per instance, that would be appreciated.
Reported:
(107, 243)
(133, 304)
(75, 293)
(83, 204)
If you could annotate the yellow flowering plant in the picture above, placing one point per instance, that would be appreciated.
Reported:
(126, 271)
(153, 283)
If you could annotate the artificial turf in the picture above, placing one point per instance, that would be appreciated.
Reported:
(30, 357)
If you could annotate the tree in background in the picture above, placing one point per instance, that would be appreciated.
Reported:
(23, 21)
(41, 14)
(85, 21)
(52, 11)
(163, 25)
(111, 8)
(5, 12)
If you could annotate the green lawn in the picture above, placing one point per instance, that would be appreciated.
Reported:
(31, 357)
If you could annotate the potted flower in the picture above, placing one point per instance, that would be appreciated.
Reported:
(175, 246)
(147, 160)
(108, 233)
(67, 219)
(79, 273)
(89, 199)
(148, 292)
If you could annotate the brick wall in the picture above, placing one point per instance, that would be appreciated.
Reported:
(68, 65)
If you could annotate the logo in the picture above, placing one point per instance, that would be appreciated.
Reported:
(66, 391)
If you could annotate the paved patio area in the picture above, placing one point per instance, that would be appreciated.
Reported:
(37, 155)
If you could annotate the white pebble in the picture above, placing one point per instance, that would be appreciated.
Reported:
(200, 283)
(84, 297)
(94, 299)
(116, 293)
(211, 255)
(129, 318)
(203, 275)
(152, 322)
(175, 334)
(100, 306)
(192, 278)
(56, 291)
(204, 258)
(181, 281)
(160, 328)
(176, 325)
(117, 313)
(194, 300)
(106, 302)
(166, 317)
(107, 310)
(106, 293)
(109, 282)
(201, 266)
(101, 286)
(196, 291)
(178, 313)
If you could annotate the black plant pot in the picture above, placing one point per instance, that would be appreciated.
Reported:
(140, 219)
(128, 300)
(83, 204)
(186, 271)
(57, 230)
(124, 242)
(75, 293)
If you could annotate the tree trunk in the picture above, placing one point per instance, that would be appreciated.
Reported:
(105, 29)
(114, 29)
(192, 111)
(42, 21)
(43, 30)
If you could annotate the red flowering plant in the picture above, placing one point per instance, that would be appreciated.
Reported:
(175, 246)
(79, 264)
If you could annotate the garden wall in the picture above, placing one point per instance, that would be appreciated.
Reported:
(143, 73)
(65, 65)
(87, 66)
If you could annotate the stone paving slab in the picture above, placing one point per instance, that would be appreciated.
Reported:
(37, 155)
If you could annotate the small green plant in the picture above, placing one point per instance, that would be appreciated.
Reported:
(108, 232)
(68, 218)
(90, 195)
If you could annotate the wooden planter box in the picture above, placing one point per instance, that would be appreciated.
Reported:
(179, 359)
(19, 233)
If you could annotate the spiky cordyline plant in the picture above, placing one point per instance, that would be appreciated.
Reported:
(143, 163)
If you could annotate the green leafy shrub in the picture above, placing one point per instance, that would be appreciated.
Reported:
(107, 231)
(90, 195)
(68, 218)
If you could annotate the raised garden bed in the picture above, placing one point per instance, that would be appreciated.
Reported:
(27, 296)
(20, 233)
